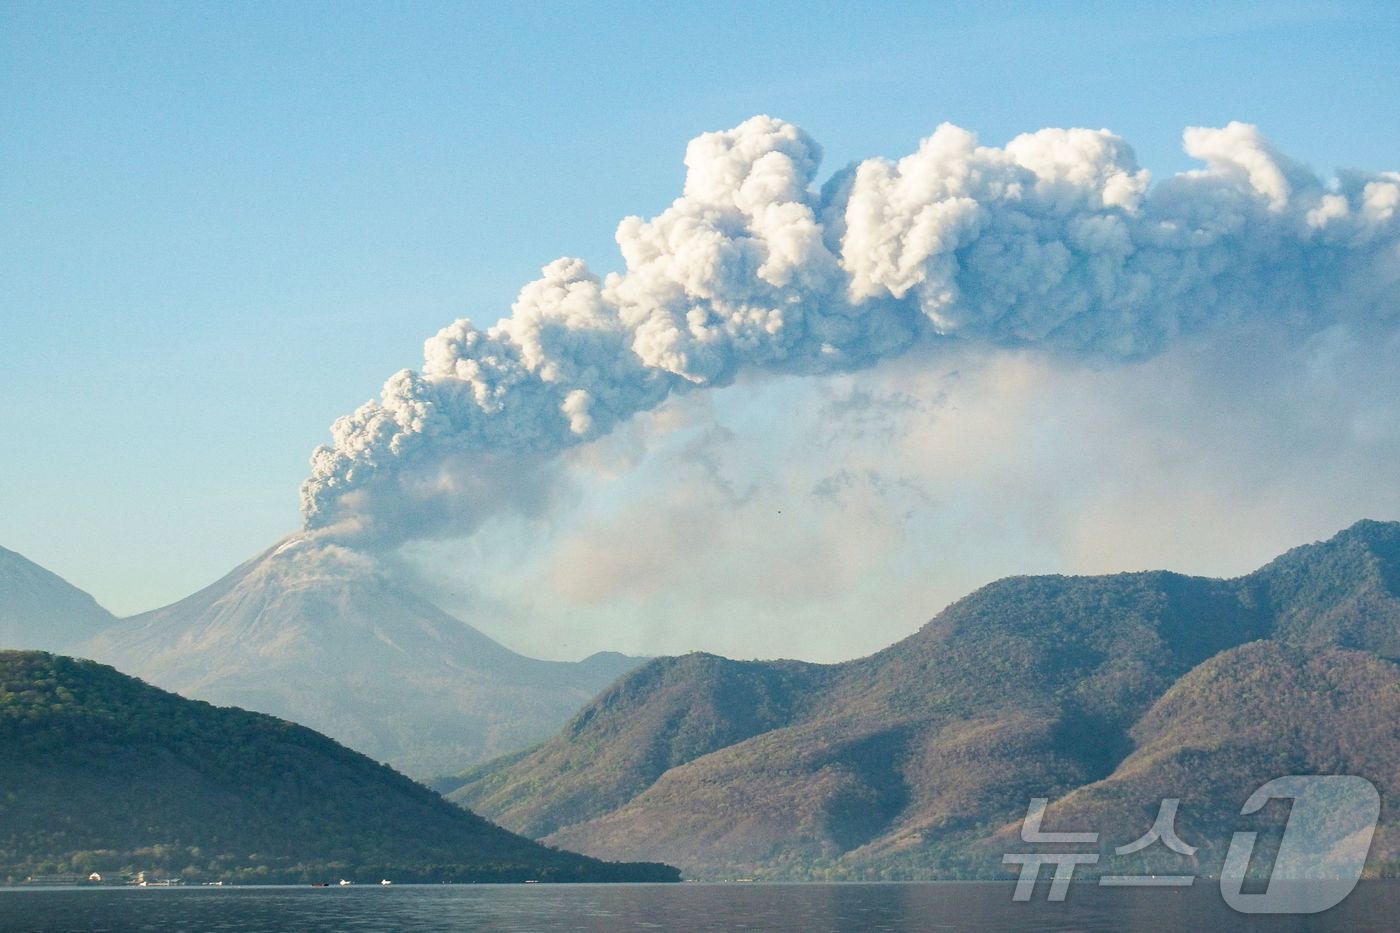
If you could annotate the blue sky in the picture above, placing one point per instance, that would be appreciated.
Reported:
(226, 224)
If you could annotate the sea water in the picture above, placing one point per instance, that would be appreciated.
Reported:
(800, 908)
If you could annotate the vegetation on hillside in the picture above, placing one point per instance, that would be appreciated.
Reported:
(903, 764)
(101, 772)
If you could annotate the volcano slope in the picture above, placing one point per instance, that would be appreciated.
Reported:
(337, 640)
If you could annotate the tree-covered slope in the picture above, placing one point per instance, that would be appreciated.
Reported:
(897, 764)
(1344, 592)
(101, 772)
(1262, 709)
(669, 712)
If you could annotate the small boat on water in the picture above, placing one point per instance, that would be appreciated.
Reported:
(345, 884)
(385, 881)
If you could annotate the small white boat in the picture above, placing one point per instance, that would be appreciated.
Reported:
(345, 884)
(385, 881)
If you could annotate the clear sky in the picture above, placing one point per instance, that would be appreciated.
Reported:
(226, 224)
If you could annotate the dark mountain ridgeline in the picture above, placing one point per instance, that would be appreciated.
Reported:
(905, 763)
(1345, 592)
(101, 772)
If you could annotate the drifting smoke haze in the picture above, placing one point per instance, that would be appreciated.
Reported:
(1055, 243)
(825, 518)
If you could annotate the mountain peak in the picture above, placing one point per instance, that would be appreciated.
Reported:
(344, 641)
(1372, 527)
(1378, 537)
(1382, 537)
(41, 610)
(1344, 591)
(303, 559)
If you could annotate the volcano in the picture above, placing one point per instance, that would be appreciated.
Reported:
(340, 641)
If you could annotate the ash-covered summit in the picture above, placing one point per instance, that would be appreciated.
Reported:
(338, 640)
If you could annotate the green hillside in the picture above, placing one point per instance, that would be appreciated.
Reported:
(1262, 708)
(669, 712)
(101, 772)
(906, 763)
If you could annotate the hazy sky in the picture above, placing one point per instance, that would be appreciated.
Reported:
(226, 225)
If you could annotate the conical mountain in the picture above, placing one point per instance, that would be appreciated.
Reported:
(338, 641)
(41, 610)
(1108, 693)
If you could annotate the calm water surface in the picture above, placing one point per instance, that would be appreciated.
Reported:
(800, 908)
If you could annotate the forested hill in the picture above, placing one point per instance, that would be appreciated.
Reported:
(1104, 694)
(101, 772)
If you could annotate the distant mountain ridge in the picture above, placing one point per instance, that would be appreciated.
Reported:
(1104, 694)
(334, 639)
(101, 772)
(40, 610)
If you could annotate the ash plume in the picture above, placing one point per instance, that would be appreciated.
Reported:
(1057, 240)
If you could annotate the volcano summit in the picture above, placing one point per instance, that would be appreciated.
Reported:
(338, 640)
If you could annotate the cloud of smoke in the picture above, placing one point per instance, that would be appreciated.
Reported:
(827, 517)
(1055, 241)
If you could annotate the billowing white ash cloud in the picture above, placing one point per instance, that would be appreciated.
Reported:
(1056, 240)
